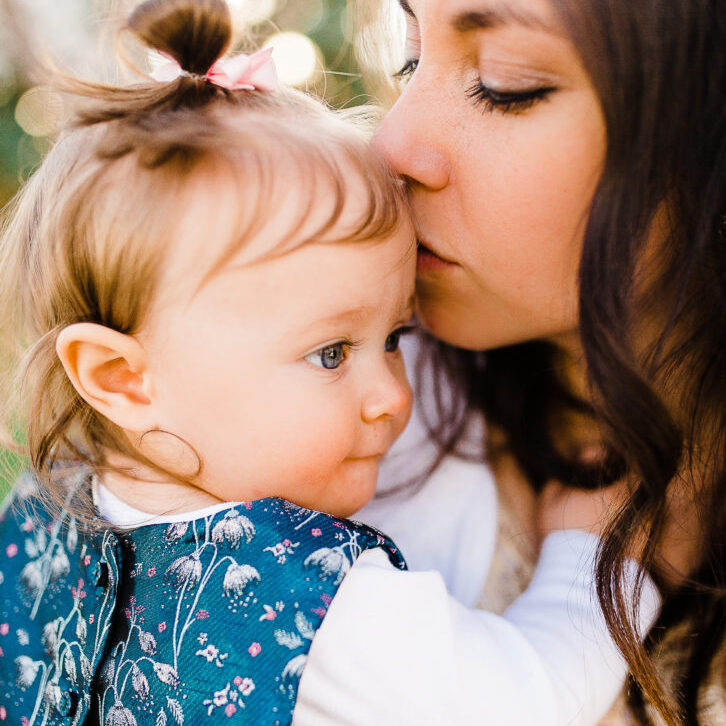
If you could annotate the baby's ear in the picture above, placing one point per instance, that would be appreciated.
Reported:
(109, 371)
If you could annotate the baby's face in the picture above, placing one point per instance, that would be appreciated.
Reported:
(285, 374)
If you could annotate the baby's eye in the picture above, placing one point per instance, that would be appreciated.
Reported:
(392, 341)
(329, 357)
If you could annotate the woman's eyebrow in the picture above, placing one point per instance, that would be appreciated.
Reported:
(488, 18)
(467, 21)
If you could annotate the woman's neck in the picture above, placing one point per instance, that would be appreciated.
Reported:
(577, 435)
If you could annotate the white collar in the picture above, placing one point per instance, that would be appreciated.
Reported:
(119, 513)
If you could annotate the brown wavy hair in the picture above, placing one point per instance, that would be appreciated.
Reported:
(87, 236)
(659, 69)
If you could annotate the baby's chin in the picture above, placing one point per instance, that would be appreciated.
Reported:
(350, 489)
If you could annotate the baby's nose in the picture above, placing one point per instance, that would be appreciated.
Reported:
(388, 396)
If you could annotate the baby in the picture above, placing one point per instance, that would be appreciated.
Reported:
(209, 278)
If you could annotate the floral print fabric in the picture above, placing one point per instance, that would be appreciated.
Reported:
(210, 619)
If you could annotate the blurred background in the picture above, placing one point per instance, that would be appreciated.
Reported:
(313, 50)
(312, 41)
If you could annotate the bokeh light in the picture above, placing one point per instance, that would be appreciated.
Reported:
(251, 12)
(39, 111)
(295, 55)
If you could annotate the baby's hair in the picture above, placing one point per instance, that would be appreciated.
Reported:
(85, 239)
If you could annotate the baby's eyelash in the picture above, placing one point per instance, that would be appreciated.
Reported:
(406, 329)
(507, 101)
(393, 339)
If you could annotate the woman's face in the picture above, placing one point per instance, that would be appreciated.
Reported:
(501, 135)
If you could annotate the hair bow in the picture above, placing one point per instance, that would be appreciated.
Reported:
(253, 72)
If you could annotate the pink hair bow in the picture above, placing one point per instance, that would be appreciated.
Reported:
(255, 71)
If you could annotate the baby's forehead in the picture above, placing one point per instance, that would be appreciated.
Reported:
(234, 214)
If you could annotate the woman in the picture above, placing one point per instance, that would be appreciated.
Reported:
(567, 170)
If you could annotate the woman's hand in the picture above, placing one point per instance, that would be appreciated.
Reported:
(563, 507)
(679, 550)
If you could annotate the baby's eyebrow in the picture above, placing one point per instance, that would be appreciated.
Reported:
(352, 315)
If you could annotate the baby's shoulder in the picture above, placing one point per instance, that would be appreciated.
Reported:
(228, 604)
(191, 618)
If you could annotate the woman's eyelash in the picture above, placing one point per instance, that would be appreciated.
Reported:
(491, 99)
(507, 101)
(407, 70)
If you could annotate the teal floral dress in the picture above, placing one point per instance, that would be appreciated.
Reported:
(206, 621)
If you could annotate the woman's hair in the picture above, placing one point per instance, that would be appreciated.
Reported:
(86, 238)
(653, 329)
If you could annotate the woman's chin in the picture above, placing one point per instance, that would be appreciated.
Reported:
(458, 324)
(446, 326)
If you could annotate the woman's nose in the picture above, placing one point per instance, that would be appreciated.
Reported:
(408, 139)
(388, 395)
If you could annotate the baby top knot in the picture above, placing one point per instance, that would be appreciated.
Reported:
(250, 72)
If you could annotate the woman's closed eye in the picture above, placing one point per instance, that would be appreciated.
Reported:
(491, 99)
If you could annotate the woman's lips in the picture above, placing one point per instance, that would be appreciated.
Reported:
(428, 261)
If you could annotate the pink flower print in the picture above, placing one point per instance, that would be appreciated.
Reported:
(162, 627)
(11, 550)
(220, 697)
(24, 721)
(79, 592)
(230, 709)
(316, 532)
(326, 599)
(3, 713)
(269, 613)
(247, 505)
(27, 527)
(339, 525)
(245, 685)
(4, 628)
(254, 649)
(319, 611)
(151, 571)
(277, 550)
(237, 680)
(201, 615)
(87, 560)
(212, 655)
(286, 543)
(91, 618)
